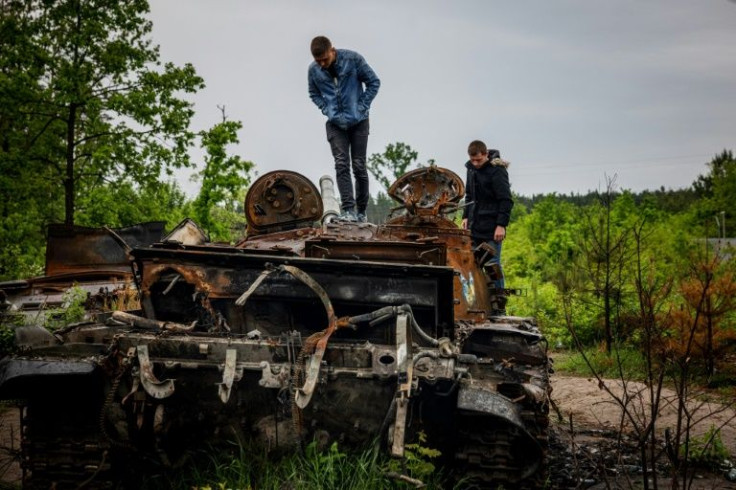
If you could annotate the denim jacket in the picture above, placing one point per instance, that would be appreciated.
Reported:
(343, 99)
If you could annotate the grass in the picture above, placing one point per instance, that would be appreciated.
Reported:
(607, 366)
(328, 469)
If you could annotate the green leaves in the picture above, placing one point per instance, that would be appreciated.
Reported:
(224, 178)
(91, 120)
(718, 189)
(394, 162)
(97, 103)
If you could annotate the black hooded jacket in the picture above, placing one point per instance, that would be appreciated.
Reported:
(488, 194)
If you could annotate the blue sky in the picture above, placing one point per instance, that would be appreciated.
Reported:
(570, 91)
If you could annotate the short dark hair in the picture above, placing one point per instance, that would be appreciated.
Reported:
(320, 45)
(477, 147)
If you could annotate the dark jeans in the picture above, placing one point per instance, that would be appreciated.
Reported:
(350, 145)
(499, 283)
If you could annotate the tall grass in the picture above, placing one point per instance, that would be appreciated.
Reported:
(311, 469)
(628, 359)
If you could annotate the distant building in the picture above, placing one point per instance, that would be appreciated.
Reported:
(725, 247)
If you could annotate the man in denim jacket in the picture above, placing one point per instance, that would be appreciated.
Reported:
(336, 79)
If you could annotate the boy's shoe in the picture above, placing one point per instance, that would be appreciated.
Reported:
(362, 218)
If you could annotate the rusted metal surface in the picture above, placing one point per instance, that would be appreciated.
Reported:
(187, 233)
(78, 249)
(404, 366)
(157, 389)
(136, 321)
(228, 375)
(306, 328)
(93, 260)
(429, 191)
(281, 199)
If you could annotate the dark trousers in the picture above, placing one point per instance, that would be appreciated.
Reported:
(350, 145)
(499, 283)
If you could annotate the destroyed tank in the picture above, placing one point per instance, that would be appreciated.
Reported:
(310, 328)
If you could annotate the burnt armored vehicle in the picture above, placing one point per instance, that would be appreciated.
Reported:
(309, 328)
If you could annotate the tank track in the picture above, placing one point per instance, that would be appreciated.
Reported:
(485, 453)
(52, 457)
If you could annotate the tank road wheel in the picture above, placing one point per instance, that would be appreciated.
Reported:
(61, 444)
(492, 453)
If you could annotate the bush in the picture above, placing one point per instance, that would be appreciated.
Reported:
(707, 451)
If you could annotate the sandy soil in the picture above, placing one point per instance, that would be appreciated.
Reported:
(10, 471)
(591, 405)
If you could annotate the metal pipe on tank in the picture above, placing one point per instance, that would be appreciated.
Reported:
(329, 201)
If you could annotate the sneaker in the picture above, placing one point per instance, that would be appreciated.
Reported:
(362, 218)
(348, 215)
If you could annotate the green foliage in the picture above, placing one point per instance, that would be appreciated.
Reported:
(125, 204)
(622, 359)
(379, 208)
(99, 104)
(90, 118)
(22, 245)
(708, 450)
(717, 190)
(223, 178)
(314, 469)
(7, 339)
(72, 309)
(324, 467)
(417, 460)
(395, 161)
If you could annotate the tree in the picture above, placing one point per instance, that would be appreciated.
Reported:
(26, 197)
(379, 207)
(223, 176)
(125, 204)
(394, 162)
(717, 190)
(605, 254)
(96, 105)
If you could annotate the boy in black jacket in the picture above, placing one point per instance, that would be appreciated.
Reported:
(488, 198)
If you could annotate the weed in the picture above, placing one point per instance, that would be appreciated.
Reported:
(247, 468)
(72, 309)
(606, 365)
(708, 450)
(7, 339)
(417, 460)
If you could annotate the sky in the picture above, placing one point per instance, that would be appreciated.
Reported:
(571, 92)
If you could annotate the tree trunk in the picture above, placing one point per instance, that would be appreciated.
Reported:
(69, 177)
(710, 364)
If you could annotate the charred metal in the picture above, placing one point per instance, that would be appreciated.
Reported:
(309, 327)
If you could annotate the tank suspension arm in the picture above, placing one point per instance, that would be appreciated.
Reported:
(387, 312)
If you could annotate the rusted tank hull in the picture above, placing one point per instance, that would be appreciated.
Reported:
(331, 332)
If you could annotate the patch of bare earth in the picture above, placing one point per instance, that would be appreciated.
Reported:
(10, 472)
(590, 453)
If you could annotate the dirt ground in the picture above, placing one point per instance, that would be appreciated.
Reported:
(591, 405)
(595, 418)
(10, 472)
(593, 442)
